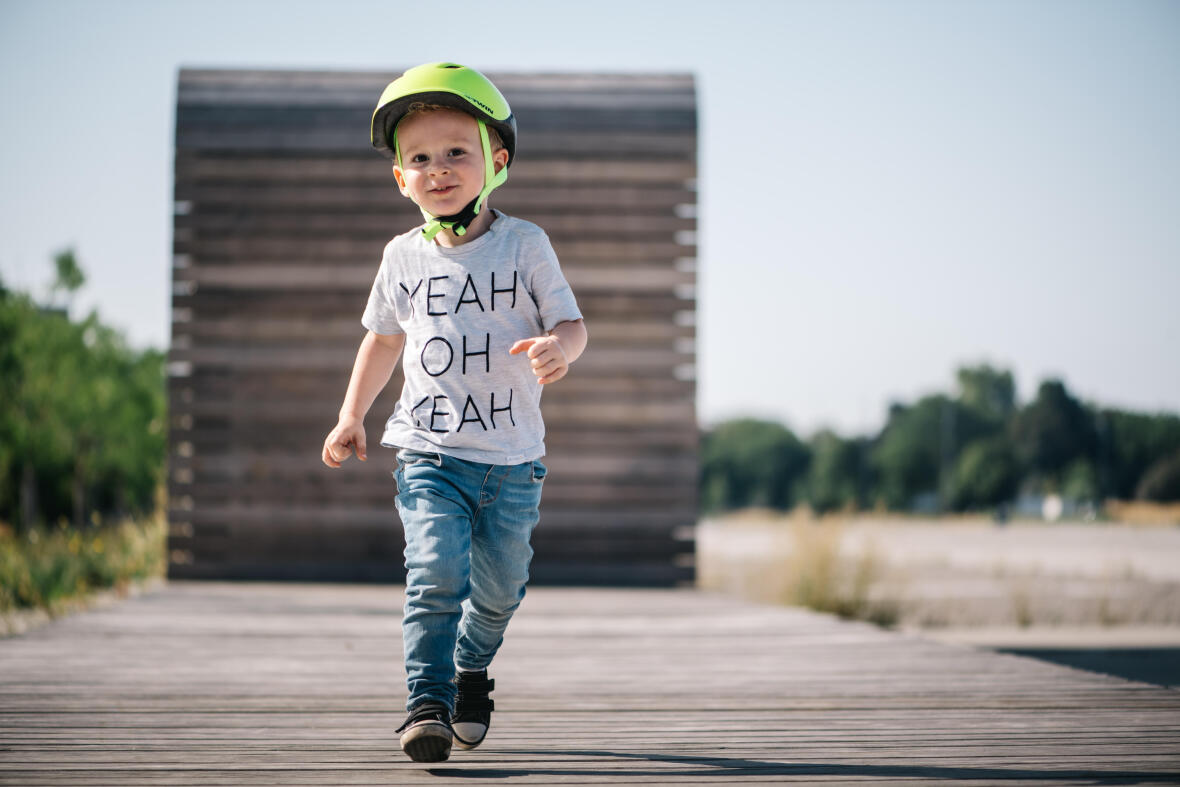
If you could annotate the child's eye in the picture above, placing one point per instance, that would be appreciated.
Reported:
(419, 158)
(456, 152)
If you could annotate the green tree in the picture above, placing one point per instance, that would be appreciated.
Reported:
(1131, 443)
(838, 474)
(1053, 432)
(988, 391)
(750, 462)
(82, 417)
(916, 452)
(70, 277)
(987, 474)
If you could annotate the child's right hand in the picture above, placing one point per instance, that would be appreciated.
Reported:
(339, 445)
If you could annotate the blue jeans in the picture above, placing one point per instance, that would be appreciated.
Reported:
(467, 527)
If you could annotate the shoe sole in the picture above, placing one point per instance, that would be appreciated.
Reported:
(429, 742)
(462, 744)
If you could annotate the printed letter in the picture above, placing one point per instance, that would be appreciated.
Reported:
(417, 423)
(487, 346)
(437, 356)
(511, 289)
(478, 419)
(430, 294)
(410, 295)
(474, 299)
(502, 409)
(435, 413)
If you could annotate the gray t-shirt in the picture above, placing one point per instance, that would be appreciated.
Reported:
(462, 309)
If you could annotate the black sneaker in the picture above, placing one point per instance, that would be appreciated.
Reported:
(427, 733)
(473, 708)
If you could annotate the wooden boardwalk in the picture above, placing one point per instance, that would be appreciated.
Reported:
(252, 684)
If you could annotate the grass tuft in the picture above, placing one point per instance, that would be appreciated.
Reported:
(44, 568)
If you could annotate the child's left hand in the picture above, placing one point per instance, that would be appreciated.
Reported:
(546, 356)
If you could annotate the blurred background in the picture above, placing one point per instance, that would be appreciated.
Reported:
(935, 294)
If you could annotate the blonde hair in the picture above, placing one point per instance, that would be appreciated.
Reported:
(419, 107)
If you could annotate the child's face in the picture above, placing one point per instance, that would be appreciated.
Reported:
(442, 160)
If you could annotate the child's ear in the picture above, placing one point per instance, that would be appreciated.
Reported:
(401, 179)
(500, 159)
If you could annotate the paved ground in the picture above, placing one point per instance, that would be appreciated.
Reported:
(957, 573)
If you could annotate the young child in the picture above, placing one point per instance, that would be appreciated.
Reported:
(476, 305)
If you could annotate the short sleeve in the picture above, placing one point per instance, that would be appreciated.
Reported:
(380, 312)
(551, 292)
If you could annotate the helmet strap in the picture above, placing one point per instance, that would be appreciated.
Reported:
(459, 222)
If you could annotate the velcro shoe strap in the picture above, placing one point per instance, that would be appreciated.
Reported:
(475, 685)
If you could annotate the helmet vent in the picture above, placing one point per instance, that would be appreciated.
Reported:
(451, 65)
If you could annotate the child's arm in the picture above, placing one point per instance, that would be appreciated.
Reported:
(375, 362)
(551, 355)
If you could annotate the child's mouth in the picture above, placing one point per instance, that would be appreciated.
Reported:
(443, 190)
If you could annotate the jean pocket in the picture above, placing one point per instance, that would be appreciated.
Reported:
(407, 457)
(539, 472)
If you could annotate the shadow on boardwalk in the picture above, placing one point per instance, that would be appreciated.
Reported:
(689, 767)
(222, 683)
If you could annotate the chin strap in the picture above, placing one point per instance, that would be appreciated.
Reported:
(459, 222)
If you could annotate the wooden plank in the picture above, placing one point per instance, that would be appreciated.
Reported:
(659, 494)
(627, 467)
(359, 277)
(332, 81)
(339, 198)
(297, 410)
(375, 170)
(348, 332)
(638, 361)
(639, 117)
(659, 439)
(750, 694)
(289, 545)
(522, 98)
(573, 250)
(377, 226)
(362, 91)
(574, 145)
(314, 487)
(345, 518)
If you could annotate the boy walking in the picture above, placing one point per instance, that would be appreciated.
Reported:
(475, 304)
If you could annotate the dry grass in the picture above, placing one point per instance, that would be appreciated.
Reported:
(802, 561)
(1137, 512)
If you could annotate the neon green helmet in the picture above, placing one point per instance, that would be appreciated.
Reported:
(461, 88)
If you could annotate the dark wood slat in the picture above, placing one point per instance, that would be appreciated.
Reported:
(347, 331)
(573, 251)
(331, 81)
(335, 198)
(287, 545)
(573, 145)
(211, 302)
(659, 439)
(372, 169)
(281, 277)
(346, 518)
(600, 116)
(376, 228)
(530, 99)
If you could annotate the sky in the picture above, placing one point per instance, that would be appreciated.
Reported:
(888, 190)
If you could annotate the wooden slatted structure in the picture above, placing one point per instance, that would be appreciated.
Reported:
(212, 683)
(282, 209)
